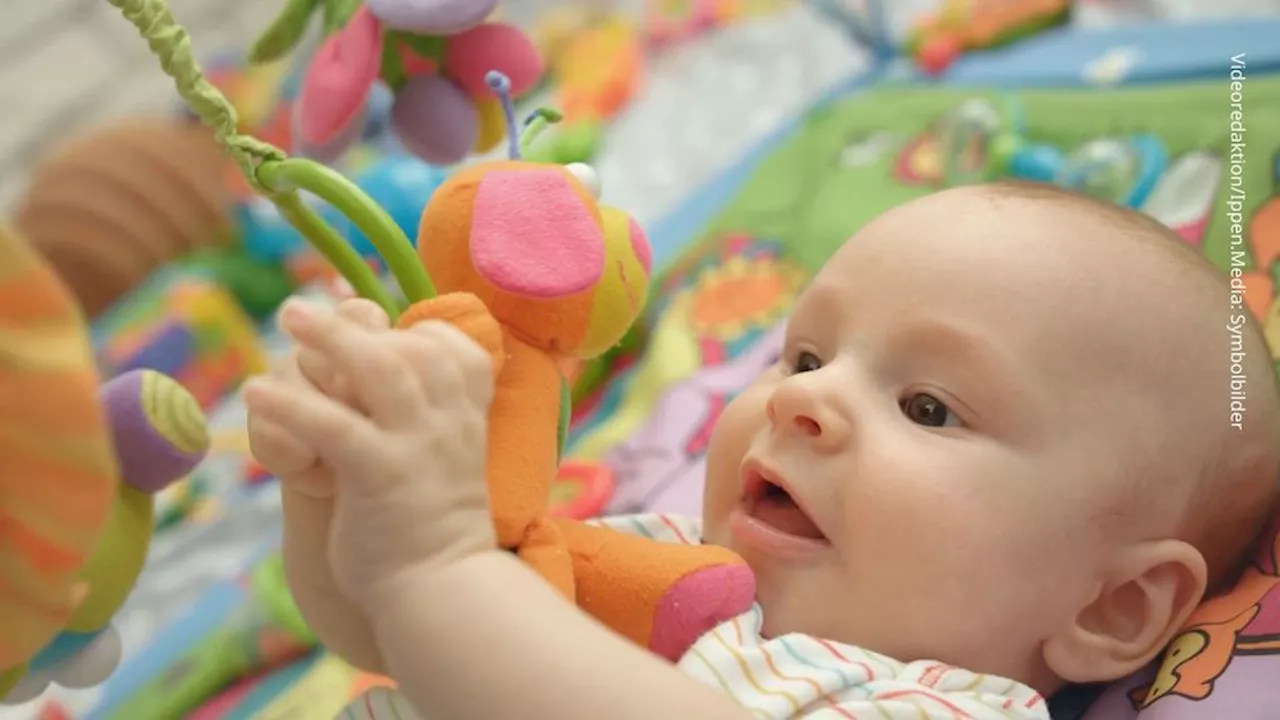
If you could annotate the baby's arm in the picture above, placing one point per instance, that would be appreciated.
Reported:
(485, 637)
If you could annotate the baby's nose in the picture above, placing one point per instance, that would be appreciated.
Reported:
(802, 411)
(807, 425)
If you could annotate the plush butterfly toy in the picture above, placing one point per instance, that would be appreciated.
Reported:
(432, 54)
(80, 464)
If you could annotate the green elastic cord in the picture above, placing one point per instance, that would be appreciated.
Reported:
(172, 45)
(276, 176)
(334, 249)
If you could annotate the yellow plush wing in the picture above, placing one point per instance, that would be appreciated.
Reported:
(58, 470)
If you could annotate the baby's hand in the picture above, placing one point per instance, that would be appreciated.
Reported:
(409, 466)
(296, 465)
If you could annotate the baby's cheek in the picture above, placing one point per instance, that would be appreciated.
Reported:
(929, 519)
(734, 431)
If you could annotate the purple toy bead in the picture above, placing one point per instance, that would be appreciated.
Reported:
(432, 17)
(157, 426)
(435, 120)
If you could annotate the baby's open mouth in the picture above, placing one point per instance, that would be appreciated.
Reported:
(771, 504)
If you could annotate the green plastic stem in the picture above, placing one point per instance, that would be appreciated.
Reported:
(283, 177)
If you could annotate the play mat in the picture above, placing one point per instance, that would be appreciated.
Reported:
(736, 258)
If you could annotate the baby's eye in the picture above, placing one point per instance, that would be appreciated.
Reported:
(806, 362)
(927, 410)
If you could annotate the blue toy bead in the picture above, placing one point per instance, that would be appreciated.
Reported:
(1036, 162)
(1152, 158)
(265, 234)
(402, 185)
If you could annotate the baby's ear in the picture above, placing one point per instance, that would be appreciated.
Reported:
(1146, 596)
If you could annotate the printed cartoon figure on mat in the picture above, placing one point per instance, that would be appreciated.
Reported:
(719, 331)
(660, 468)
(1245, 622)
(699, 320)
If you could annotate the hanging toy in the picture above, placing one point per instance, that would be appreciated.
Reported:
(81, 465)
(534, 270)
(432, 54)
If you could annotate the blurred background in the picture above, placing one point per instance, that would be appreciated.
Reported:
(748, 138)
(71, 63)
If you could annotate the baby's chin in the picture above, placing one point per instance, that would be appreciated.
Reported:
(715, 531)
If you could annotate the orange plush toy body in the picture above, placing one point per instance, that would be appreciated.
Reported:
(534, 269)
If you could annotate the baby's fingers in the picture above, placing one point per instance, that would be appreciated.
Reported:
(277, 450)
(451, 365)
(365, 313)
(382, 383)
(336, 432)
(288, 458)
(319, 371)
(316, 367)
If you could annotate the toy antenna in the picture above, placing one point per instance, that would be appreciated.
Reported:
(500, 84)
(537, 121)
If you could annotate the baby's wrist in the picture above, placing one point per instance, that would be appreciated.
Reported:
(436, 577)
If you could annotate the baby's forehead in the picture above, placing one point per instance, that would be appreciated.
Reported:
(1029, 229)
(1055, 276)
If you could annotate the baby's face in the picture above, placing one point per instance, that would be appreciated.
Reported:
(933, 469)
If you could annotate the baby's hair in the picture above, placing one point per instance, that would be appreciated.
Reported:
(1238, 488)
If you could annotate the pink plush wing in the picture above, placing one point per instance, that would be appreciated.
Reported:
(531, 234)
(335, 91)
(505, 48)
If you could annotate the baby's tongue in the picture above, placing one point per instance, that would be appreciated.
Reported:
(781, 513)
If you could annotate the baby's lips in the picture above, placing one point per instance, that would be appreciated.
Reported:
(336, 87)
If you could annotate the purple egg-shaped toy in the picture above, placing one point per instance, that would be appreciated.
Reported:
(158, 427)
(435, 120)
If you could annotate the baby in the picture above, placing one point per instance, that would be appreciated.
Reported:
(998, 439)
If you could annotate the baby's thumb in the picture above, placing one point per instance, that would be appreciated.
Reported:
(298, 471)
(276, 450)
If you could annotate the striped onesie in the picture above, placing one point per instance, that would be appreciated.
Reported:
(799, 676)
